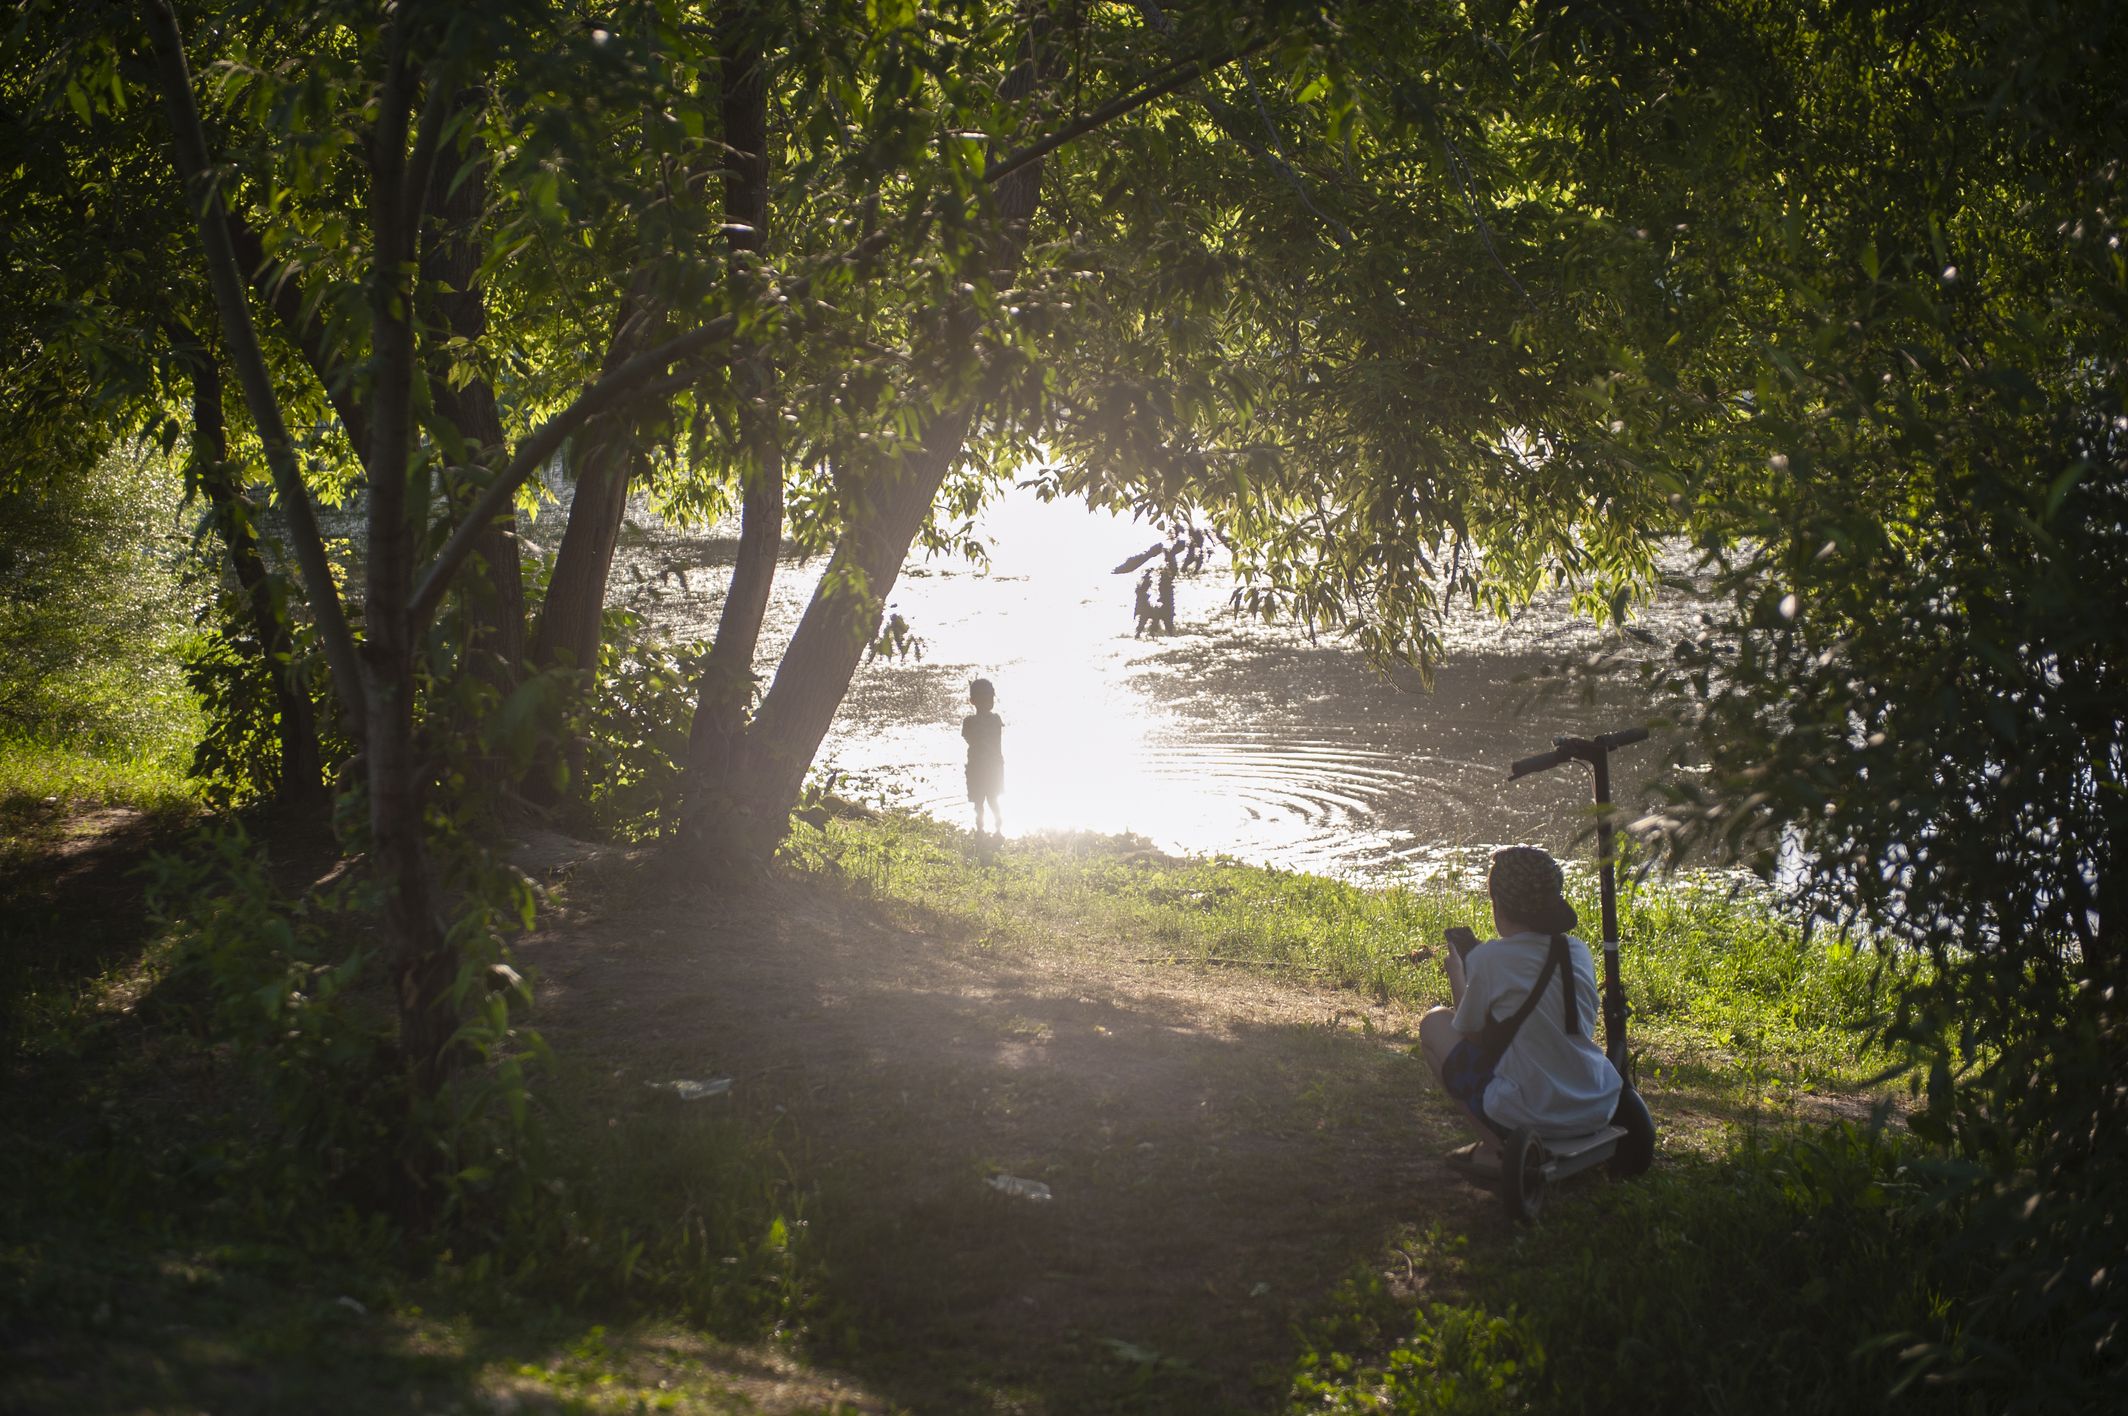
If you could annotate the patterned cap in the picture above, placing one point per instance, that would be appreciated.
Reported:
(1528, 887)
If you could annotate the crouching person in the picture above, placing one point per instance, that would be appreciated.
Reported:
(1518, 1049)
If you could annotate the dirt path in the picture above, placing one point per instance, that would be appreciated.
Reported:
(1221, 1149)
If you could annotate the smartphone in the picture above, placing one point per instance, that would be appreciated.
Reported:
(1461, 939)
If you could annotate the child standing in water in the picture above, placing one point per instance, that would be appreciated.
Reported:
(984, 732)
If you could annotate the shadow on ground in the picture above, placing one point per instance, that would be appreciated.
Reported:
(1218, 1150)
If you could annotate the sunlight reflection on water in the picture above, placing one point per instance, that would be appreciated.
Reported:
(1228, 737)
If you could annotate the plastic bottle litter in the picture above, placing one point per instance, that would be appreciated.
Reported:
(693, 1091)
(1018, 1188)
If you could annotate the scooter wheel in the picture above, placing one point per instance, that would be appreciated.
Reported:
(1636, 1149)
(1522, 1176)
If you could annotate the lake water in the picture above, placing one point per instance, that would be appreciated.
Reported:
(1229, 737)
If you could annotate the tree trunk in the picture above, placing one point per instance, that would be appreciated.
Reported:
(301, 788)
(568, 632)
(607, 461)
(450, 266)
(424, 965)
(726, 689)
(767, 768)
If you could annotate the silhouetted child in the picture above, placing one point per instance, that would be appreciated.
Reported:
(1146, 616)
(1166, 615)
(984, 732)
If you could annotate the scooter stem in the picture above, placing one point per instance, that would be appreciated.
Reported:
(1597, 753)
(1614, 989)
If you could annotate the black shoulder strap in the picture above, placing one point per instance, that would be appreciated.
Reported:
(1499, 1032)
(1564, 959)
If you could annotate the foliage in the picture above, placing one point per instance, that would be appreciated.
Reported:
(1458, 1361)
(1891, 415)
(1654, 1295)
(287, 985)
(635, 733)
(236, 758)
(278, 980)
(94, 601)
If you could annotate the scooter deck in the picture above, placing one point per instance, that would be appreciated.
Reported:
(1563, 1156)
(1575, 1154)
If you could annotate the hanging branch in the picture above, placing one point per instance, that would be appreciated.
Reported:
(1485, 231)
(1285, 168)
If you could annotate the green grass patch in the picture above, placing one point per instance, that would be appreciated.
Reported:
(154, 1254)
(44, 783)
(147, 1264)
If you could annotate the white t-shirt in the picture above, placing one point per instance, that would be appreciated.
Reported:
(1560, 1085)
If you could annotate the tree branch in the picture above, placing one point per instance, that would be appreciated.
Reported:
(285, 298)
(223, 274)
(613, 386)
(1176, 77)
(616, 384)
(537, 448)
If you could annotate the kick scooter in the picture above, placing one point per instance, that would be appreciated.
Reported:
(1529, 1162)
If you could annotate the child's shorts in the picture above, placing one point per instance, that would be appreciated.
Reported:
(1465, 1076)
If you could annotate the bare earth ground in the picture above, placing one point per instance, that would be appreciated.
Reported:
(1221, 1149)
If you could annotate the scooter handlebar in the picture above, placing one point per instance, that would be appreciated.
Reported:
(1570, 749)
(1539, 763)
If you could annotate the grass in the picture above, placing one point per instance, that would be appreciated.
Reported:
(673, 1267)
(1725, 989)
(43, 784)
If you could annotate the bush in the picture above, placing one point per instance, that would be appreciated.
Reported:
(95, 595)
(278, 988)
(635, 733)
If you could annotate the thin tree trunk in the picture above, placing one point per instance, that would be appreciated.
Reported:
(768, 769)
(451, 266)
(569, 622)
(424, 965)
(301, 788)
(726, 687)
(607, 461)
(227, 281)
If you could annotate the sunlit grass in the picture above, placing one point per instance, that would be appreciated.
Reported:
(40, 782)
(1722, 982)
